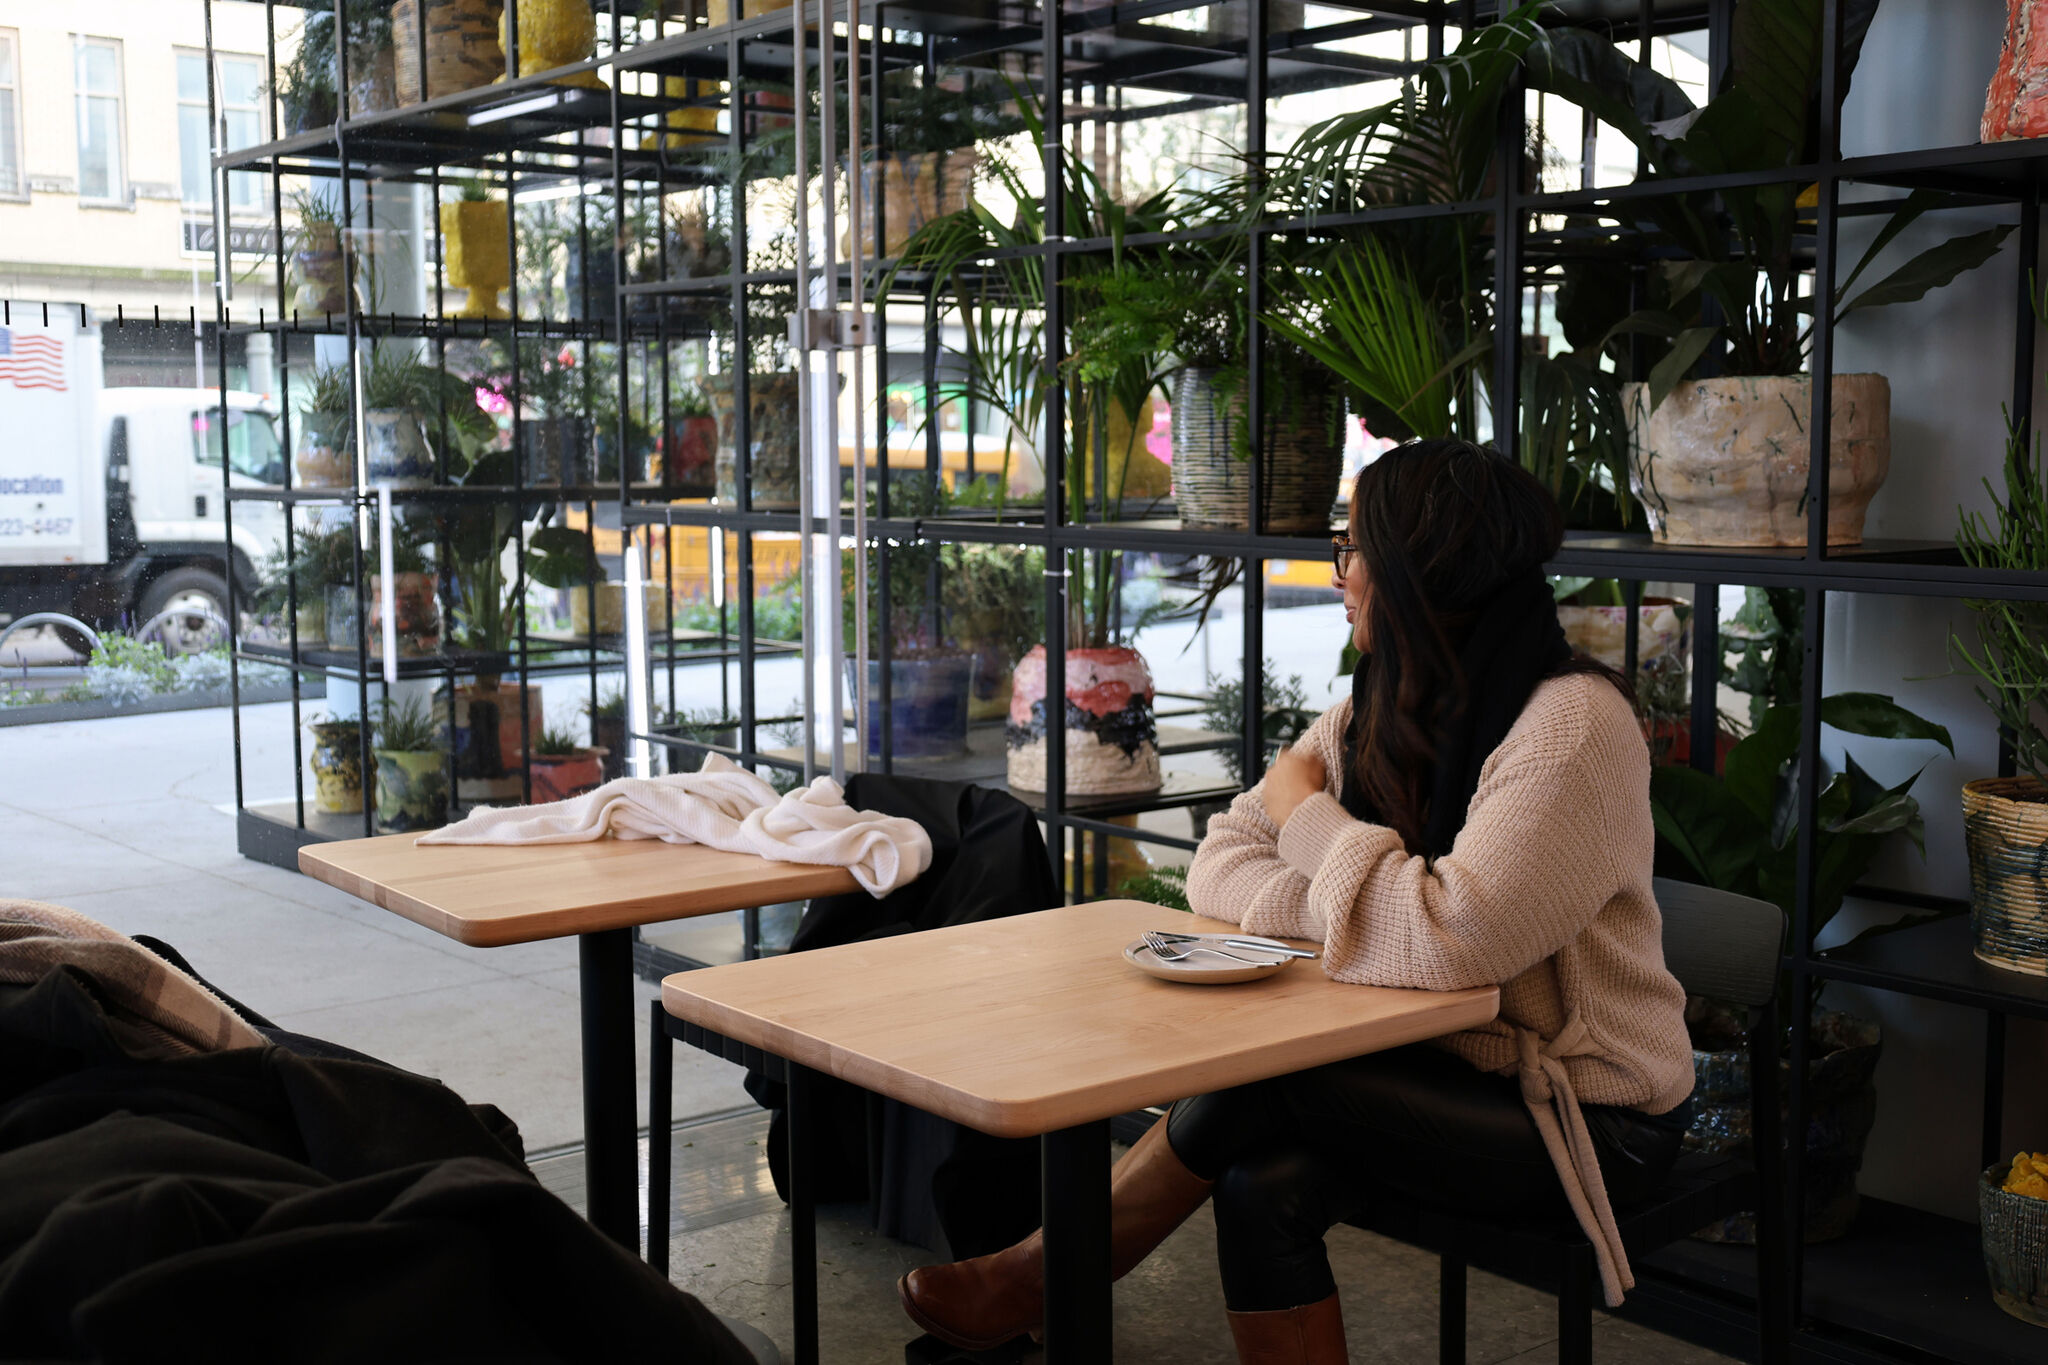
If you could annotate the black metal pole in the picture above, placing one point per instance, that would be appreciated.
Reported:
(1057, 563)
(610, 1157)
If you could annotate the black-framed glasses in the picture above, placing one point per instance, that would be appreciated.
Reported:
(1341, 551)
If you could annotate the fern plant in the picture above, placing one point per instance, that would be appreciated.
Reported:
(2011, 661)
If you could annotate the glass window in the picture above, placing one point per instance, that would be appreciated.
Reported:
(241, 106)
(252, 443)
(102, 176)
(10, 115)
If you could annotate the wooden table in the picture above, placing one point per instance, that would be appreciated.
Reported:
(1035, 1026)
(489, 895)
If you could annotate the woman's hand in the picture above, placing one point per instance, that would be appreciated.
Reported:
(1295, 776)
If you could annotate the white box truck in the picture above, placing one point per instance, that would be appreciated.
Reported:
(111, 499)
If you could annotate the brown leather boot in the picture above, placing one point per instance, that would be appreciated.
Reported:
(982, 1303)
(1312, 1334)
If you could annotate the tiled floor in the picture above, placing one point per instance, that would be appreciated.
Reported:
(730, 1247)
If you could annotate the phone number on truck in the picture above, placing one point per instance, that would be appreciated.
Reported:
(36, 526)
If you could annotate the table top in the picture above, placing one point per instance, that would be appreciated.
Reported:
(1032, 1023)
(488, 895)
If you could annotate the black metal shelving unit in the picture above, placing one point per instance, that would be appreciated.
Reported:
(1906, 1285)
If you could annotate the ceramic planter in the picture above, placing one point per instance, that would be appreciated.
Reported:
(343, 612)
(395, 450)
(693, 127)
(1212, 486)
(2005, 826)
(416, 613)
(319, 274)
(913, 188)
(337, 763)
(1840, 1069)
(608, 737)
(557, 777)
(489, 740)
(1134, 471)
(324, 458)
(373, 79)
(1724, 461)
(928, 700)
(474, 248)
(611, 608)
(990, 697)
(687, 461)
(555, 451)
(2015, 1232)
(412, 790)
(1112, 742)
(462, 48)
(772, 420)
(311, 620)
(555, 33)
(2016, 105)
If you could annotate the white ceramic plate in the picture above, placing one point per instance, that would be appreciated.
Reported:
(1201, 969)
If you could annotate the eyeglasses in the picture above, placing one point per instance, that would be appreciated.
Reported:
(1341, 551)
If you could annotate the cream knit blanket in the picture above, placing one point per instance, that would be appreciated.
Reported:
(724, 806)
(133, 983)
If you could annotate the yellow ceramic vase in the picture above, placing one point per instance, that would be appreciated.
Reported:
(1147, 476)
(474, 247)
(554, 33)
(693, 127)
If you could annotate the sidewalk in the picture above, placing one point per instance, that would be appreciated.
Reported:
(130, 820)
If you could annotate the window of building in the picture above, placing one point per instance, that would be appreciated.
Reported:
(12, 181)
(102, 168)
(241, 105)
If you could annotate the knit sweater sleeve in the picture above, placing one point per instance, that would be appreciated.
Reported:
(1238, 875)
(1533, 866)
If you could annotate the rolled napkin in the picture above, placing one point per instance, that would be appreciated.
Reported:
(722, 806)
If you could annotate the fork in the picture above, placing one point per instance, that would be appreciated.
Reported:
(1230, 941)
(1174, 952)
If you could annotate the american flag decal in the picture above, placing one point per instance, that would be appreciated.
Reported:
(31, 360)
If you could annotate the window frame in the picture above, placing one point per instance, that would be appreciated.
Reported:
(123, 195)
(18, 192)
(261, 110)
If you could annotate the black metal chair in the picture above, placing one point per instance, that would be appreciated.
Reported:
(1717, 944)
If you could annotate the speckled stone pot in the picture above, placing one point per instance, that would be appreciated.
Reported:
(2016, 104)
(1112, 741)
(1724, 461)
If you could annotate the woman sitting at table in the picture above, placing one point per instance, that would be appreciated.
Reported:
(1476, 814)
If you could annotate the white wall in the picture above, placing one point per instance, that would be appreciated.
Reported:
(1921, 83)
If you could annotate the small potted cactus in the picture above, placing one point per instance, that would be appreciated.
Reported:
(563, 766)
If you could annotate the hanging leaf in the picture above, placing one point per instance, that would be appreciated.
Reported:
(1878, 716)
(1931, 269)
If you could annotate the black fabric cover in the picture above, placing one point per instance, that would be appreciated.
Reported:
(927, 1180)
(264, 1205)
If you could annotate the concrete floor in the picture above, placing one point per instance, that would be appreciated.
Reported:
(129, 820)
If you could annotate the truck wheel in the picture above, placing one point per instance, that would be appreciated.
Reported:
(197, 603)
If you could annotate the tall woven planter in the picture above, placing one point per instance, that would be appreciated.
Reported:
(1212, 486)
(2005, 826)
(462, 46)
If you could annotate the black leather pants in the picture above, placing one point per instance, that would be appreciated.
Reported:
(1295, 1155)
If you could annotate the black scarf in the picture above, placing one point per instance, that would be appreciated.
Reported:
(1514, 644)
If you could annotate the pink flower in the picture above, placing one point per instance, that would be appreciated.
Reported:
(493, 402)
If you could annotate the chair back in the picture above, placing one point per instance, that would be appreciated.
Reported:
(1720, 944)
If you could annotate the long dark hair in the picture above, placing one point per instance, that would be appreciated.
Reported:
(1442, 526)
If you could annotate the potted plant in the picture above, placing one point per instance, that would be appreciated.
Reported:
(326, 454)
(462, 49)
(372, 64)
(399, 389)
(1392, 311)
(2012, 1209)
(554, 429)
(926, 158)
(412, 778)
(772, 416)
(476, 250)
(1287, 714)
(416, 610)
(1728, 831)
(1595, 618)
(996, 608)
(319, 273)
(305, 79)
(491, 720)
(322, 559)
(930, 677)
(337, 763)
(2005, 819)
(564, 767)
(1724, 460)
(685, 460)
(608, 732)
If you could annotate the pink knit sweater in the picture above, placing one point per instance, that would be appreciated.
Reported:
(1546, 893)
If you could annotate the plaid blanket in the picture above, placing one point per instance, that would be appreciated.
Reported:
(133, 983)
